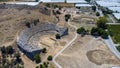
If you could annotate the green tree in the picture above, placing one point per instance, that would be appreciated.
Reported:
(3, 50)
(101, 23)
(81, 30)
(45, 64)
(47, 4)
(55, 6)
(49, 58)
(58, 36)
(103, 33)
(94, 31)
(37, 58)
(18, 59)
(37, 67)
(94, 8)
(97, 14)
(9, 50)
(42, 66)
(44, 50)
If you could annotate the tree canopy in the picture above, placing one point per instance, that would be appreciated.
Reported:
(101, 22)
(44, 50)
(94, 8)
(81, 30)
(99, 32)
(49, 58)
(58, 36)
(37, 58)
(97, 14)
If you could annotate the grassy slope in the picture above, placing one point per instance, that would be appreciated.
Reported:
(115, 30)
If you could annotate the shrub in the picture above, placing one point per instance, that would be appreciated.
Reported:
(101, 23)
(81, 30)
(58, 36)
(37, 67)
(94, 8)
(36, 21)
(104, 34)
(99, 32)
(18, 59)
(55, 6)
(47, 4)
(49, 58)
(94, 31)
(97, 14)
(42, 66)
(37, 58)
(44, 50)
(3, 50)
(9, 50)
(28, 24)
(67, 17)
(45, 64)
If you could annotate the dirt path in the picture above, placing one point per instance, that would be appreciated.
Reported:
(68, 44)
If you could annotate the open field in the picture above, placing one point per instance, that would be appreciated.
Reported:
(84, 21)
(114, 30)
(88, 52)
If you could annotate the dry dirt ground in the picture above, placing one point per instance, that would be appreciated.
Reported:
(13, 20)
(83, 20)
(87, 52)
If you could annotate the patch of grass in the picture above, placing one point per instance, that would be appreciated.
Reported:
(114, 31)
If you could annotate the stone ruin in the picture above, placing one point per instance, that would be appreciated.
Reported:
(32, 49)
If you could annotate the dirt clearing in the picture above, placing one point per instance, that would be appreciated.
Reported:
(88, 52)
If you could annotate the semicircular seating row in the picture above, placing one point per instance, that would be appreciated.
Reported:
(26, 34)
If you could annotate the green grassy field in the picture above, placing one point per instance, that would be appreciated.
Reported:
(114, 31)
